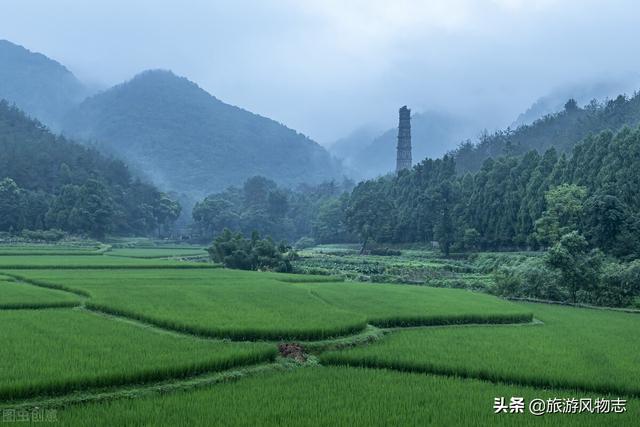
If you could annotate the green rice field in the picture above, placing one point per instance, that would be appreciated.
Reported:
(250, 305)
(31, 262)
(20, 295)
(44, 249)
(151, 253)
(57, 351)
(140, 338)
(587, 349)
(337, 396)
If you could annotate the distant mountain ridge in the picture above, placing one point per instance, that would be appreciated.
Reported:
(562, 131)
(38, 85)
(188, 141)
(583, 93)
(164, 126)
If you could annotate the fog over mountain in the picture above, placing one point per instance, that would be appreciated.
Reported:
(326, 67)
(188, 141)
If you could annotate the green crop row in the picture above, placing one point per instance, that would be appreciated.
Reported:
(85, 261)
(450, 319)
(184, 266)
(59, 351)
(37, 306)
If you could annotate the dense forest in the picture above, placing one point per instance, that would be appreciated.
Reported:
(49, 182)
(313, 213)
(582, 207)
(512, 202)
(560, 130)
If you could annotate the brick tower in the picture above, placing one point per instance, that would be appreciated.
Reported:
(403, 160)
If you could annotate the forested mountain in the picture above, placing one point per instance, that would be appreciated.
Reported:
(432, 135)
(40, 86)
(49, 182)
(188, 141)
(512, 202)
(561, 130)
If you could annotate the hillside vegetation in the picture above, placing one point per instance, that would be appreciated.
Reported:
(560, 130)
(49, 182)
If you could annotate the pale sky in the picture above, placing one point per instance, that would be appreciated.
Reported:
(326, 67)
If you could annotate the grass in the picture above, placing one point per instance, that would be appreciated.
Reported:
(248, 305)
(406, 305)
(335, 397)
(15, 295)
(30, 262)
(58, 351)
(591, 350)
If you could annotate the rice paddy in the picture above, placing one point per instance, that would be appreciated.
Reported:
(65, 262)
(59, 350)
(337, 396)
(14, 295)
(249, 305)
(155, 253)
(585, 349)
(133, 318)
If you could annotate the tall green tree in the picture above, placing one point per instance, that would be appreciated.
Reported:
(563, 214)
(579, 267)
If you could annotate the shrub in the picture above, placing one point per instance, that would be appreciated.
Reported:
(234, 251)
(530, 279)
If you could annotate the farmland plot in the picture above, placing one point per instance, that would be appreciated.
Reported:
(55, 351)
(587, 349)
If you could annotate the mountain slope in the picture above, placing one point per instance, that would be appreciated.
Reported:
(40, 86)
(188, 141)
(47, 181)
(432, 135)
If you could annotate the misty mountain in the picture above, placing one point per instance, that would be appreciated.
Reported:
(40, 86)
(561, 131)
(583, 93)
(188, 141)
(433, 134)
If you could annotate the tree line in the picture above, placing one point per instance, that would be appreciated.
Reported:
(582, 208)
(309, 214)
(514, 202)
